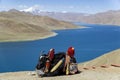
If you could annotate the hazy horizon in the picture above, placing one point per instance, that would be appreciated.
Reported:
(76, 6)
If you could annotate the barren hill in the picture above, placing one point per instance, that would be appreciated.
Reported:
(16, 25)
(109, 17)
(106, 60)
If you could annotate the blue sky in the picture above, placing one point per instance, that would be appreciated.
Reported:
(83, 6)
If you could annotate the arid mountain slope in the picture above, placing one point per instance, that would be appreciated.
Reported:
(108, 59)
(109, 17)
(16, 25)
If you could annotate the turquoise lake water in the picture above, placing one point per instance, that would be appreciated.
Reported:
(89, 43)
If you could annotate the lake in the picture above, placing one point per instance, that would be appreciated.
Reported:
(89, 43)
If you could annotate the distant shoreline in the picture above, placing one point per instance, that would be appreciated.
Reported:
(37, 36)
(31, 39)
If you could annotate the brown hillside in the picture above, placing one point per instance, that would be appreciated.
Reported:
(15, 25)
(109, 17)
(105, 60)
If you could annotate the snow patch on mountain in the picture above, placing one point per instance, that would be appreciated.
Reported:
(33, 9)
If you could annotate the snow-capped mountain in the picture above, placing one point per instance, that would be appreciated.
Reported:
(109, 17)
(33, 9)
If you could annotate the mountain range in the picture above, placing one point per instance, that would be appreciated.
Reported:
(33, 24)
(16, 25)
(111, 17)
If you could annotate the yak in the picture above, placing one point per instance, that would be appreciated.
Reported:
(40, 67)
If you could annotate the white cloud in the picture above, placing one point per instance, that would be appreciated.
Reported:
(64, 11)
(22, 6)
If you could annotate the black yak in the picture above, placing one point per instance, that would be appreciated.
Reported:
(40, 67)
